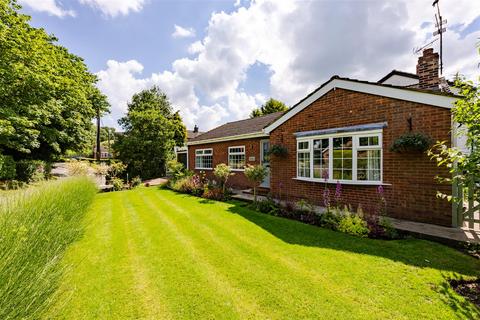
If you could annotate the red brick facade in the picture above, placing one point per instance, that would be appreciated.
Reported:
(409, 178)
(220, 155)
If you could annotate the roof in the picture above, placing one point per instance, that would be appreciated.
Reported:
(192, 134)
(238, 129)
(398, 73)
(435, 98)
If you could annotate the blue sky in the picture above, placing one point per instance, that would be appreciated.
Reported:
(217, 60)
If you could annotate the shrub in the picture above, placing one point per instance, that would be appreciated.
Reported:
(256, 175)
(192, 185)
(411, 142)
(116, 168)
(37, 225)
(7, 168)
(305, 211)
(30, 170)
(213, 193)
(118, 184)
(176, 169)
(268, 206)
(222, 172)
(136, 182)
(329, 219)
(354, 225)
(78, 168)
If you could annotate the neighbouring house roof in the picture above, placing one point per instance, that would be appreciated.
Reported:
(242, 129)
(398, 73)
(434, 98)
(192, 134)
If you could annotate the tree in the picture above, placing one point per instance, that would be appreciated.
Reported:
(464, 166)
(256, 175)
(271, 106)
(222, 172)
(151, 132)
(48, 96)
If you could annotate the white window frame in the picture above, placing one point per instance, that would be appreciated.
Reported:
(307, 150)
(355, 148)
(237, 153)
(203, 155)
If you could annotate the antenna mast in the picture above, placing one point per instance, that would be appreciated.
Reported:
(439, 23)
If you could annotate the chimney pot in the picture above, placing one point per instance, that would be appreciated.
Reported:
(195, 129)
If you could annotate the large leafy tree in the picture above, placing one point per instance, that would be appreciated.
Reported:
(151, 132)
(271, 106)
(48, 96)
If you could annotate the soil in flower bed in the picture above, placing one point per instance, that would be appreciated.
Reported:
(470, 289)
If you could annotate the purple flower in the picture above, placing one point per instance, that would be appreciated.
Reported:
(380, 190)
(338, 191)
(326, 197)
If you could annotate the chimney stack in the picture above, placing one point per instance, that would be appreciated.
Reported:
(427, 70)
(195, 129)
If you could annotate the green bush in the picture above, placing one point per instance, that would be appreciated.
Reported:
(412, 142)
(329, 219)
(175, 169)
(36, 227)
(136, 182)
(268, 206)
(30, 170)
(78, 168)
(222, 172)
(118, 184)
(354, 225)
(7, 168)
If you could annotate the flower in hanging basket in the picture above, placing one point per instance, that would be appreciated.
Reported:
(278, 150)
(411, 142)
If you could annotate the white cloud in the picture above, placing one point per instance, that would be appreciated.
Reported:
(302, 44)
(113, 8)
(49, 6)
(181, 32)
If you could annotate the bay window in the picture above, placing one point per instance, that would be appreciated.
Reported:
(204, 159)
(236, 157)
(354, 157)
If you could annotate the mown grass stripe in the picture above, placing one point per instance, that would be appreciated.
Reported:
(310, 285)
(187, 281)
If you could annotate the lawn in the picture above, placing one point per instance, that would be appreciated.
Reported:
(155, 254)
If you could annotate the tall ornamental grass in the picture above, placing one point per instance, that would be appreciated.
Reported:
(36, 227)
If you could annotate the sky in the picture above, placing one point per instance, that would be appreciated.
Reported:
(218, 59)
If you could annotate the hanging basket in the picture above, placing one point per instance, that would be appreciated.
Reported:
(411, 142)
(278, 150)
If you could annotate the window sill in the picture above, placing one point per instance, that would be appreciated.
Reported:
(203, 168)
(360, 183)
(238, 170)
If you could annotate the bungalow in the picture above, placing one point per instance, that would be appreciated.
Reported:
(342, 132)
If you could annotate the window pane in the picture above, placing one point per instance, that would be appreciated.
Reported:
(303, 145)
(320, 158)
(368, 141)
(342, 158)
(368, 165)
(304, 164)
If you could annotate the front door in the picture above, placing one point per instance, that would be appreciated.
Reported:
(265, 161)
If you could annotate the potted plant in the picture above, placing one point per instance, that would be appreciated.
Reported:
(411, 142)
(278, 150)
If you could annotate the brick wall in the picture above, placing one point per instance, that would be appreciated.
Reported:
(220, 155)
(411, 193)
(427, 70)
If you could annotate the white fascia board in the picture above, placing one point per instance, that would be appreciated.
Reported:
(259, 134)
(395, 93)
